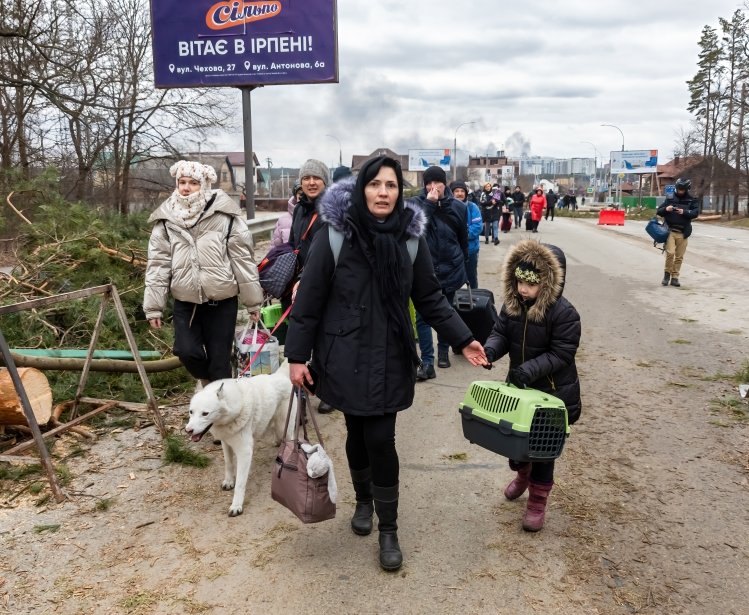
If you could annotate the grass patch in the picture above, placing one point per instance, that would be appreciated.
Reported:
(64, 475)
(742, 376)
(644, 364)
(680, 341)
(36, 488)
(737, 408)
(104, 504)
(177, 452)
(16, 473)
(50, 527)
(456, 456)
(734, 332)
(42, 500)
(688, 319)
(139, 603)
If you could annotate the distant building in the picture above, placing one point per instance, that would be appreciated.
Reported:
(151, 183)
(495, 169)
(410, 178)
(717, 183)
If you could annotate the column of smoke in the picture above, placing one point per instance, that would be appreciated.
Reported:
(516, 145)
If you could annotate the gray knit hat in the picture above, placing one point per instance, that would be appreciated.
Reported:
(315, 168)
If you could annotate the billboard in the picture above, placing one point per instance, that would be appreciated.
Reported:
(422, 159)
(634, 161)
(205, 43)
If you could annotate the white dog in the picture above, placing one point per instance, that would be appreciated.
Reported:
(237, 411)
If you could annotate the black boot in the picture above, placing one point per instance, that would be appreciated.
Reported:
(675, 282)
(386, 505)
(361, 522)
(666, 278)
(443, 359)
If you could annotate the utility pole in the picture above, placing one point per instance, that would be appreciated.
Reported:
(270, 178)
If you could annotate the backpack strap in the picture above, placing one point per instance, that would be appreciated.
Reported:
(231, 223)
(336, 243)
(412, 244)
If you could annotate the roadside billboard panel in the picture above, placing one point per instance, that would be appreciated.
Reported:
(204, 43)
(422, 159)
(634, 161)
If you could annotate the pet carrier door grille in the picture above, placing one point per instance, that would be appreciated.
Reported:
(547, 433)
(494, 401)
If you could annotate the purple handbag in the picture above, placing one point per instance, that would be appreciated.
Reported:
(306, 497)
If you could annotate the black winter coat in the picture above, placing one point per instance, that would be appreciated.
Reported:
(517, 199)
(339, 317)
(490, 207)
(447, 237)
(300, 220)
(541, 338)
(677, 221)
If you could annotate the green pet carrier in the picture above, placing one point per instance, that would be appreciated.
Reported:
(521, 424)
(270, 315)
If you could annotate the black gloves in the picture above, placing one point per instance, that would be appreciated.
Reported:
(489, 357)
(519, 378)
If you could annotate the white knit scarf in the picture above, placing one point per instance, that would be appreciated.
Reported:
(187, 209)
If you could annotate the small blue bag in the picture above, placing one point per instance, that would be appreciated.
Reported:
(657, 229)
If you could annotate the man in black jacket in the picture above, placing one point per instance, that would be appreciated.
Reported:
(551, 204)
(447, 238)
(678, 211)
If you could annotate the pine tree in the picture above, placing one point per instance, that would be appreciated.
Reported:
(705, 87)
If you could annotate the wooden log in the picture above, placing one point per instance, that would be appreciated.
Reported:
(38, 391)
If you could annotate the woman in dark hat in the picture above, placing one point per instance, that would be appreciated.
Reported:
(351, 316)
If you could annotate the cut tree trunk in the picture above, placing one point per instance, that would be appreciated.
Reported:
(37, 390)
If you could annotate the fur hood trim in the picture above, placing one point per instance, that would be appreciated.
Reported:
(336, 200)
(544, 258)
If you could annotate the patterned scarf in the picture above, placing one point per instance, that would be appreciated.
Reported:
(186, 209)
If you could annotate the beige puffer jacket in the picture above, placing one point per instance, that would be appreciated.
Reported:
(201, 264)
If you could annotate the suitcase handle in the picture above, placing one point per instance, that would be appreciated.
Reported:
(470, 304)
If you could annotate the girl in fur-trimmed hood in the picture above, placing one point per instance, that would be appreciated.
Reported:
(540, 331)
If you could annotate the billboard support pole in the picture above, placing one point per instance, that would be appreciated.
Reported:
(249, 158)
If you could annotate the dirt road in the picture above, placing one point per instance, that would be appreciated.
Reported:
(649, 513)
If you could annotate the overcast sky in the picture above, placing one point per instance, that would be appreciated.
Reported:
(537, 76)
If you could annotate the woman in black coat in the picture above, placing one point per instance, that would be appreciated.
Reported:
(352, 318)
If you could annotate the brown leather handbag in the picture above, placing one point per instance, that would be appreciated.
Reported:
(306, 497)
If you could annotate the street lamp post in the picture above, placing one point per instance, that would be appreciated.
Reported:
(595, 165)
(611, 176)
(455, 148)
(340, 149)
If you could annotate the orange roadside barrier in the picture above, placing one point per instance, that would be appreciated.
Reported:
(611, 216)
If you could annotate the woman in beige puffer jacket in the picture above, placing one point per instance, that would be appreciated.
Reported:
(201, 251)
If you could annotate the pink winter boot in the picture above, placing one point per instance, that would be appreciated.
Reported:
(535, 512)
(519, 484)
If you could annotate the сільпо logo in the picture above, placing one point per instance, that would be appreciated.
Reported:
(234, 13)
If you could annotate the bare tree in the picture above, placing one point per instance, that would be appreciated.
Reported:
(82, 70)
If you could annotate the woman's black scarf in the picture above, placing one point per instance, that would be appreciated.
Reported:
(381, 241)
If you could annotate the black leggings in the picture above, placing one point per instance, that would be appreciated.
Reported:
(203, 337)
(541, 471)
(370, 443)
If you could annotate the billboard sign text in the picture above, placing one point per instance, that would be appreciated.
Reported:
(204, 43)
